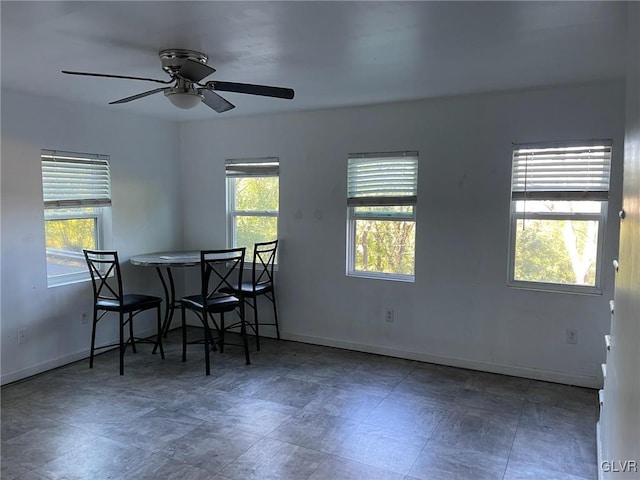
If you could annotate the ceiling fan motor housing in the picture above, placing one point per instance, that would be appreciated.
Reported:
(172, 59)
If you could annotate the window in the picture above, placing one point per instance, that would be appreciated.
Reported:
(77, 211)
(558, 210)
(253, 191)
(381, 210)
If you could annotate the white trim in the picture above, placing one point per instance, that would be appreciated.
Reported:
(516, 371)
(64, 360)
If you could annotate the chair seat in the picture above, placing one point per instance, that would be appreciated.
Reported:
(248, 291)
(130, 302)
(219, 302)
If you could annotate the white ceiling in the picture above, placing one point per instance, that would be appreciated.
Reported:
(332, 53)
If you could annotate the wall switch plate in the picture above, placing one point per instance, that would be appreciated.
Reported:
(22, 336)
(572, 336)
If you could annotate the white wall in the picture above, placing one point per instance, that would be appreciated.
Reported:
(620, 422)
(459, 311)
(146, 217)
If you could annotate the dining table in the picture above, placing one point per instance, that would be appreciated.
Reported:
(164, 262)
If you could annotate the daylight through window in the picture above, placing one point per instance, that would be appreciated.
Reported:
(77, 211)
(253, 196)
(382, 193)
(559, 200)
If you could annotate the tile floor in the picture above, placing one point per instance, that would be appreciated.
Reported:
(298, 412)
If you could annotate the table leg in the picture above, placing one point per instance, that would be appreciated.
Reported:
(170, 300)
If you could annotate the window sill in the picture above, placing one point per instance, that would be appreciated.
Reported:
(555, 288)
(52, 283)
(382, 276)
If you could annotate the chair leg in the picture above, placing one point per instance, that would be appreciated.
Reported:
(93, 337)
(255, 321)
(159, 341)
(275, 312)
(207, 341)
(122, 345)
(222, 330)
(184, 335)
(131, 337)
(243, 330)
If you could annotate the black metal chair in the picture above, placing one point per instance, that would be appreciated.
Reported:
(103, 264)
(264, 255)
(220, 272)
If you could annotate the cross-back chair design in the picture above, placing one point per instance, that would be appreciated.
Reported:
(220, 272)
(261, 284)
(107, 298)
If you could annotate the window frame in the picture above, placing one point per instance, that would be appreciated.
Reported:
(353, 216)
(600, 218)
(252, 166)
(57, 206)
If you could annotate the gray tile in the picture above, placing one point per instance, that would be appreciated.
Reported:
(260, 421)
(452, 463)
(306, 394)
(19, 420)
(287, 391)
(527, 471)
(489, 404)
(442, 394)
(439, 374)
(272, 459)
(367, 382)
(406, 414)
(10, 470)
(563, 452)
(474, 431)
(210, 448)
(500, 385)
(99, 459)
(336, 468)
(388, 366)
(41, 445)
(563, 396)
(352, 405)
(321, 370)
(552, 419)
(153, 431)
(315, 430)
(377, 446)
(163, 468)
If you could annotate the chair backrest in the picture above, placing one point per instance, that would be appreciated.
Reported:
(221, 269)
(102, 264)
(264, 257)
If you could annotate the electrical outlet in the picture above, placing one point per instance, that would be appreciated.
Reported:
(389, 315)
(572, 336)
(22, 336)
(84, 320)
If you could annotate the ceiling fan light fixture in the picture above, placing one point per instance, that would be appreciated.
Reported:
(184, 99)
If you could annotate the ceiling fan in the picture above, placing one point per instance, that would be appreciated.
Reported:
(186, 69)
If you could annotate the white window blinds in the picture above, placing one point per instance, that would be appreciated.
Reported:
(379, 179)
(75, 180)
(253, 167)
(575, 172)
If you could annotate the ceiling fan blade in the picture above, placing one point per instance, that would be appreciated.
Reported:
(108, 75)
(215, 101)
(195, 71)
(251, 89)
(140, 95)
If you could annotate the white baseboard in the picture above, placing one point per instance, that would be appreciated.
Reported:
(515, 371)
(58, 362)
(599, 450)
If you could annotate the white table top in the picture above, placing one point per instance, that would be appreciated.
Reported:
(167, 259)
